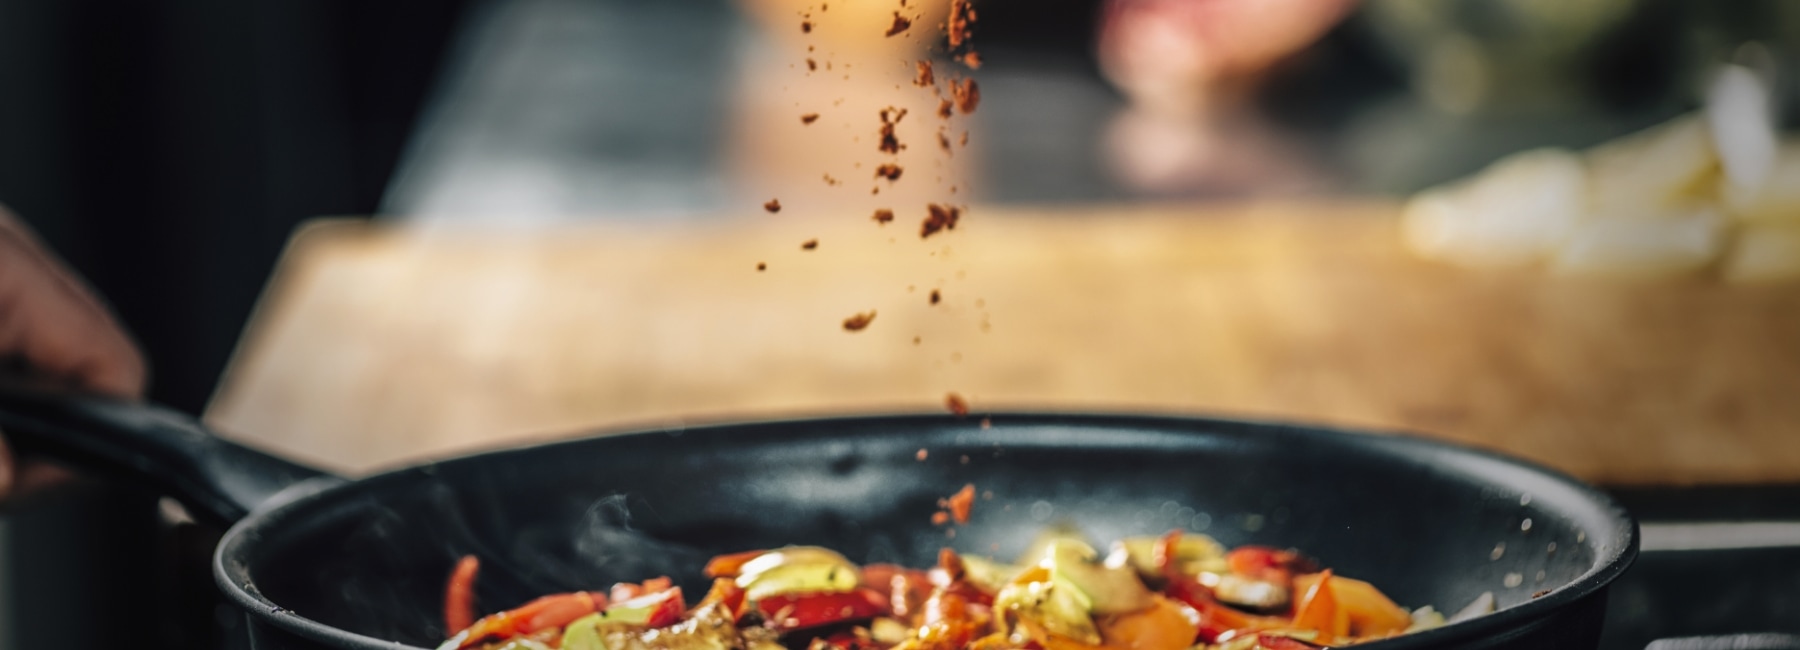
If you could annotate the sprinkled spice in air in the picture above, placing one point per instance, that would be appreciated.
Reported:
(926, 78)
(940, 217)
(935, 296)
(773, 206)
(889, 171)
(901, 24)
(890, 117)
(967, 95)
(883, 216)
(809, 118)
(960, 504)
(962, 17)
(956, 404)
(859, 322)
(809, 244)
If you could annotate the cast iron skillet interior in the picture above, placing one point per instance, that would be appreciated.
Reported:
(1430, 524)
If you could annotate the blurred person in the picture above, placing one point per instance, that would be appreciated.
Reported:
(1190, 69)
(53, 328)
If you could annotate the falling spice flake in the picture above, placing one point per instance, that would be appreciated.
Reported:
(809, 118)
(965, 138)
(962, 18)
(922, 455)
(762, 266)
(925, 79)
(939, 217)
(883, 216)
(946, 108)
(888, 171)
(956, 404)
(971, 58)
(890, 118)
(940, 518)
(773, 206)
(806, 27)
(936, 297)
(967, 95)
(811, 65)
(809, 244)
(832, 181)
(859, 322)
(901, 24)
(960, 504)
(944, 142)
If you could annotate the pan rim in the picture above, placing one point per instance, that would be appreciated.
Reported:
(233, 575)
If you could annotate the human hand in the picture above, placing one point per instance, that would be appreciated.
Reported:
(1179, 55)
(52, 327)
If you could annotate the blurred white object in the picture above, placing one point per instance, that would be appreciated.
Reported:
(1765, 253)
(1778, 197)
(1643, 247)
(1740, 111)
(1667, 165)
(1519, 210)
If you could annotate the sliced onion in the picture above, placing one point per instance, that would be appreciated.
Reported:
(1673, 163)
(1778, 198)
(1652, 247)
(1765, 253)
(1517, 211)
(1740, 113)
(1482, 606)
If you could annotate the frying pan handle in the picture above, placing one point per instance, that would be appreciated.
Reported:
(165, 448)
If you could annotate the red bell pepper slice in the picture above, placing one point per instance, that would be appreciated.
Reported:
(802, 611)
(1264, 563)
(730, 565)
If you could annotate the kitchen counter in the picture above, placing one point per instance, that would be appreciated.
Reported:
(375, 345)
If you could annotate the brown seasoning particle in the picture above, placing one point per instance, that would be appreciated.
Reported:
(859, 322)
(773, 206)
(925, 78)
(883, 216)
(890, 117)
(901, 24)
(936, 297)
(944, 142)
(956, 404)
(965, 138)
(922, 455)
(809, 118)
(889, 171)
(809, 244)
(967, 95)
(946, 108)
(762, 266)
(940, 217)
(811, 65)
(962, 17)
(972, 59)
(806, 27)
(940, 518)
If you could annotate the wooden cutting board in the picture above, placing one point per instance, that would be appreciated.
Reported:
(375, 346)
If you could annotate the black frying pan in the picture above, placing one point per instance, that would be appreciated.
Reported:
(321, 562)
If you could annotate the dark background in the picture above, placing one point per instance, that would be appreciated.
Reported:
(167, 148)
